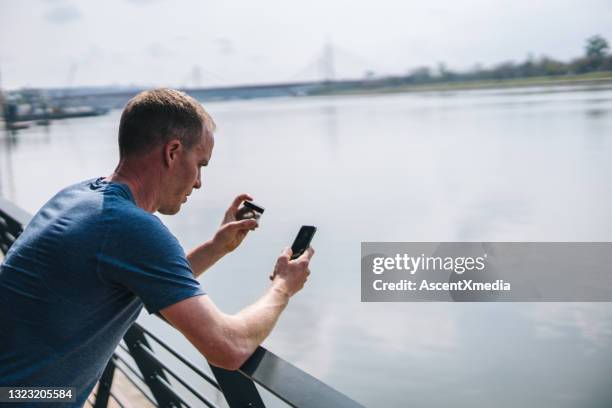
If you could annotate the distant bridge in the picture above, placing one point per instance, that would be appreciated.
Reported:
(118, 98)
(112, 97)
(315, 77)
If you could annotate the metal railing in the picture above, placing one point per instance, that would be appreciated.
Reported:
(152, 375)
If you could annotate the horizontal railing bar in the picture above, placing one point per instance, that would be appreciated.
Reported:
(163, 383)
(174, 375)
(201, 373)
(133, 370)
(135, 384)
(14, 212)
(290, 384)
(142, 391)
(199, 396)
(157, 366)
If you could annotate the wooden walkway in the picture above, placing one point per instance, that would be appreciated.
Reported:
(124, 391)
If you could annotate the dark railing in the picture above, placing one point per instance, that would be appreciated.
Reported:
(151, 373)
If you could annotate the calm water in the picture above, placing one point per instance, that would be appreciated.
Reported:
(485, 166)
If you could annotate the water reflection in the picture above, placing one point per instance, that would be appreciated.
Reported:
(329, 113)
(597, 113)
(482, 166)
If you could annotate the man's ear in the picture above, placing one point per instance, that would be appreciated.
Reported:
(171, 149)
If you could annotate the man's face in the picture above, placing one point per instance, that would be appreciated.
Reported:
(185, 173)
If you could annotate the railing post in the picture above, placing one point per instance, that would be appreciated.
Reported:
(239, 391)
(12, 223)
(151, 372)
(105, 384)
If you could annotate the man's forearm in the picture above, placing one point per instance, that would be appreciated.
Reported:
(204, 256)
(257, 320)
(227, 341)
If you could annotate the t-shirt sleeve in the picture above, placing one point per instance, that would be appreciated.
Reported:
(145, 258)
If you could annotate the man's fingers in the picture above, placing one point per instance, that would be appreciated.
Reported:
(308, 253)
(239, 199)
(283, 260)
(247, 224)
(287, 253)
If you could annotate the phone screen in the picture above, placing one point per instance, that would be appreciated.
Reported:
(302, 241)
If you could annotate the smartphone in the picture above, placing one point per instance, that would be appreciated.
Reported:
(302, 241)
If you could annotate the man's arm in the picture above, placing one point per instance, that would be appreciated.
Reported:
(227, 238)
(227, 341)
(205, 256)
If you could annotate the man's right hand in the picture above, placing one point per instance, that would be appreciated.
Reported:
(228, 340)
(289, 276)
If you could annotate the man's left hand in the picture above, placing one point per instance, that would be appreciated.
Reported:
(233, 231)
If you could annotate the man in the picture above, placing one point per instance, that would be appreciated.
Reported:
(78, 276)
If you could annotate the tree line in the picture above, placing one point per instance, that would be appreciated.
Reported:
(595, 58)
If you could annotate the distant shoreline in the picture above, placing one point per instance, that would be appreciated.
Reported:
(597, 80)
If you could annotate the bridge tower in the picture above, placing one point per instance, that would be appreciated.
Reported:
(328, 71)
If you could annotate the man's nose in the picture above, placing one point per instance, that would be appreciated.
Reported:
(198, 182)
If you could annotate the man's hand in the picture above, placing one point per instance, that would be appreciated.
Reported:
(226, 239)
(227, 341)
(232, 230)
(290, 276)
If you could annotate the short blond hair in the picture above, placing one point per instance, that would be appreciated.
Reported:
(156, 116)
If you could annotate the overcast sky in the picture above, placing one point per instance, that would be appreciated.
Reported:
(209, 43)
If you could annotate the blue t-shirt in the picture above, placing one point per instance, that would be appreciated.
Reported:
(75, 281)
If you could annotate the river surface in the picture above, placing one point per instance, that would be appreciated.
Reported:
(514, 165)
